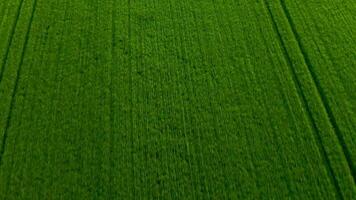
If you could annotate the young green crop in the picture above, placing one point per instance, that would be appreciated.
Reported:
(176, 99)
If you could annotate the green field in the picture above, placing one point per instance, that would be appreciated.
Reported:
(177, 99)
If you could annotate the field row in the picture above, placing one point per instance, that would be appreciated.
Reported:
(105, 99)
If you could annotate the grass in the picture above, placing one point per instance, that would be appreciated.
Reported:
(177, 99)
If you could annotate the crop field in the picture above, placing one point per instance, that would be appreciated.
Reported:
(177, 99)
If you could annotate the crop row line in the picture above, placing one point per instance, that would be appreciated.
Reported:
(111, 97)
(8, 120)
(298, 84)
(320, 90)
(9, 42)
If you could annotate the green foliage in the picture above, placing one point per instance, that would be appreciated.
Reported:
(190, 99)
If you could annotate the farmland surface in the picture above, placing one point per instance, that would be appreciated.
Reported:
(177, 99)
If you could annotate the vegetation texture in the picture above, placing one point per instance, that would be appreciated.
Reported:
(177, 99)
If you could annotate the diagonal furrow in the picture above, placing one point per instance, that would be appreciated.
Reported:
(8, 120)
(9, 42)
(304, 100)
(320, 91)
